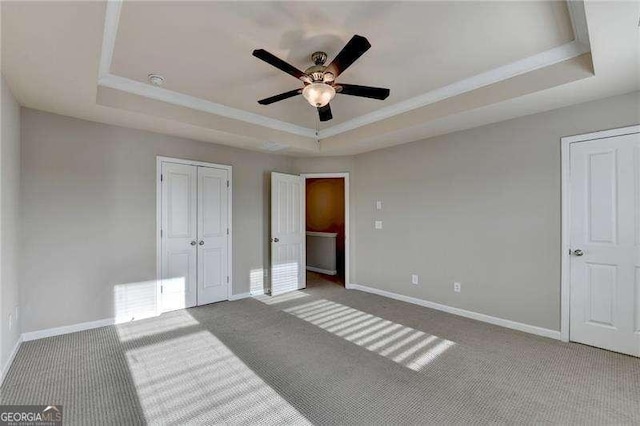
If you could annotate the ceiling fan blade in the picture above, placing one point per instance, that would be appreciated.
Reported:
(280, 97)
(349, 54)
(363, 91)
(278, 63)
(325, 113)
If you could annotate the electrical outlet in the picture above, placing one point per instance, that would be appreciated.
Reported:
(414, 279)
(378, 205)
(457, 287)
(378, 224)
(10, 322)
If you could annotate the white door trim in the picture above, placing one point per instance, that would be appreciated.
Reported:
(347, 235)
(565, 286)
(229, 169)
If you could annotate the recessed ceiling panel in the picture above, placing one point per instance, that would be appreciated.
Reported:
(203, 49)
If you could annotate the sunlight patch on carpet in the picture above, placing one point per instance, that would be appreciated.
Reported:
(404, 345)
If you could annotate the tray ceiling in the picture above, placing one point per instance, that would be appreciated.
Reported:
(203, 49)
(449, 65)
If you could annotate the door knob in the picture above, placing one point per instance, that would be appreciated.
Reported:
(193, 243)
(275, 240)
(201, 242)
(578, 252)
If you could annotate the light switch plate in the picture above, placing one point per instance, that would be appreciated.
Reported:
(378, 224)
(414, 279)
(378, 205)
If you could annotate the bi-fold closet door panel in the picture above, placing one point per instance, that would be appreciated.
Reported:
(213, 234)
(194, 236)
(179, 236)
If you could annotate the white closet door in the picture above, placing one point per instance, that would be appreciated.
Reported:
(213, 235)
(179, 236)
(605, 243)
(287, 233)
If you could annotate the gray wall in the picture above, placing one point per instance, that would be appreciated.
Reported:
(481, 207)
(89, 205)
(9, 221)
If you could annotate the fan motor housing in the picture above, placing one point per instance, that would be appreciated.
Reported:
(319, 58)
(318, 72)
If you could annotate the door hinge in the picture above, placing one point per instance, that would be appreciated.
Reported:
(161, 233)
(227, 184)
(161, 178)
(227, 279)
(227, 231)
(161, 289)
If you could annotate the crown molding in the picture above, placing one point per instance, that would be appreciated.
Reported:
(180, 99)
(111, 22)
(579, 46)
(496, 75)
(579, 22)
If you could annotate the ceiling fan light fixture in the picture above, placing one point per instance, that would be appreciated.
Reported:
(318, 94)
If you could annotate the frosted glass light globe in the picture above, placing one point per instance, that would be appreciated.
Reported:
(318, 94)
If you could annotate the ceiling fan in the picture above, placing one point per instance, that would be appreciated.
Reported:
(320, 86)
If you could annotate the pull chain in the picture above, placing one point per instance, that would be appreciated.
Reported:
(317, 130)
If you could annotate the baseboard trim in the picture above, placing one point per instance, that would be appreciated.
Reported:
(57, 331)
(239, 296)
(12, 355)
(545, 332)
(322, 271)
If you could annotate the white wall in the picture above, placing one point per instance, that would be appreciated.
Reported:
(89, 203)
(9, 222)
(481, 207)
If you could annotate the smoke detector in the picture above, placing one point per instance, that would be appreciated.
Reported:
(156, 79)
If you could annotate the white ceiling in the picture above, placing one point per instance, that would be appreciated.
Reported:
(203, 49)
(449, 65)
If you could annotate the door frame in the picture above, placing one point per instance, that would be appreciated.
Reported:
(229, 169)
(565, 276)
(347, 235)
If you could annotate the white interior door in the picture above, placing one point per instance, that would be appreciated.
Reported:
(179, 237)
(213, 235)
(605, 241)
(287, 233)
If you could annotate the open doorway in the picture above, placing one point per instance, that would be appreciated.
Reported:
(327, 228)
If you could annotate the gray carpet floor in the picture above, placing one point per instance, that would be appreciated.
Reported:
(324, 355)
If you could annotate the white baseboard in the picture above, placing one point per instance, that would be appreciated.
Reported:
(553, 334)
(50, 332)
(239, 296)
(322, 271)
(12, 355)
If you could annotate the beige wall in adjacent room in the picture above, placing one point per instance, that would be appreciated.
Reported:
(9, 222)
(481, 207)
(324, 212)
(342, 164)
(89, 205)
